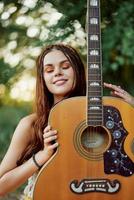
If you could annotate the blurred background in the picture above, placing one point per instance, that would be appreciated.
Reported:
(28, 25)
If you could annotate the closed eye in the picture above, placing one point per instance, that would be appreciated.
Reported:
(49, 69)
(66, 65)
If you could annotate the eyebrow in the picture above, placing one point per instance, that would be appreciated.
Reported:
(49, 64)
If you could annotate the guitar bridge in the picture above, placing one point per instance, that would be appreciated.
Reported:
(95, 185)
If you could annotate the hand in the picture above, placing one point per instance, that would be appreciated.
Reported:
(119, 92)
(49, 137)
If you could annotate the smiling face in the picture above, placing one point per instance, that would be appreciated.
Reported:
(58, 74)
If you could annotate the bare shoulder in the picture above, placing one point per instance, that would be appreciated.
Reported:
(28, 120)
(25, 126)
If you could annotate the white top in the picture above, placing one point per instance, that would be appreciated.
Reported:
(28, 191)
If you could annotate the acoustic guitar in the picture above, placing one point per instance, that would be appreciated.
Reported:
(95, 159)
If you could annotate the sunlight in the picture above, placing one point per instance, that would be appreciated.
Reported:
(24, 89)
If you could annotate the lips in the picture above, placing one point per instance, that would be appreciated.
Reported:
(60, 81)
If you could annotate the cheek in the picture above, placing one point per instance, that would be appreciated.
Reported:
(47, 80)
(73, 77)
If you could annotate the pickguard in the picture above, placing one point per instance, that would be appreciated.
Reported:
(116, 161)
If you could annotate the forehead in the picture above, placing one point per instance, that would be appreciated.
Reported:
(55, 56)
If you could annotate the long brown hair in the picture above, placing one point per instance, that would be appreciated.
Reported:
(44, 99)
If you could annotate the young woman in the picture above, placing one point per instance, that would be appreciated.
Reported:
(60, 74)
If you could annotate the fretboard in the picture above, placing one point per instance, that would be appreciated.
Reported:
(94, 82)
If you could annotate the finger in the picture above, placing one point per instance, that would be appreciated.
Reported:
(48, 128)
(50, 139)
(53, 146)
(49, 133)
(114, 87)
(113, 94)
(119, 94)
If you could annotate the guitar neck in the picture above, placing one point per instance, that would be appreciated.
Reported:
(94, 79)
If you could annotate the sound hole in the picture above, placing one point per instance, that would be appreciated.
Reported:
(95, 140)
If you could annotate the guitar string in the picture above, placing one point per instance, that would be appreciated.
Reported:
(96, 45)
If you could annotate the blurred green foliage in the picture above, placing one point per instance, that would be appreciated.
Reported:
(117, 46)
(9, 117)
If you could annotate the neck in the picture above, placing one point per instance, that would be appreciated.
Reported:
(58, 99)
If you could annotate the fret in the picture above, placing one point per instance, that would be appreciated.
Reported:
(95, 111)
(94, 88)
(93, 96)
(93, 51)
(93, 48)
(94, 75)
(94, 59)
(99, 96)
(94, 78)
(97, 104)
(94, 114)
(94, 45)
(93, 29)
(93, 12)
(98, 80)
(95, 121)
(95, 62)
(89, 117)
(94, 124)
(94, 72)
(94, 93)
(95, 118)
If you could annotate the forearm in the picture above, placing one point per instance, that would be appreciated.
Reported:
(16, 177)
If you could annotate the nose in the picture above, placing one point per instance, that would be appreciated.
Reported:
(58, 71)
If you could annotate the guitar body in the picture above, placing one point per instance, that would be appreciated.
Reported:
(84, 170)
